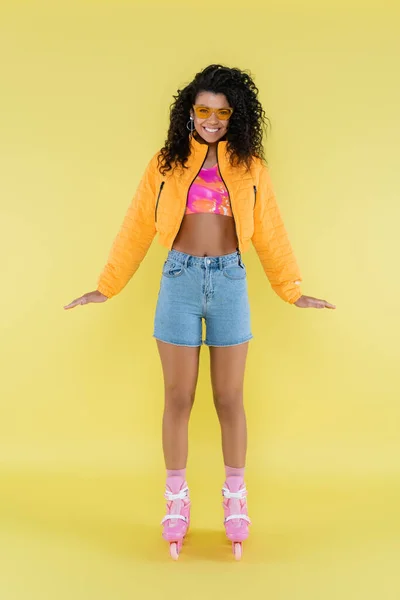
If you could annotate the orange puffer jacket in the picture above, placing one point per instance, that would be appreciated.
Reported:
(159, 203)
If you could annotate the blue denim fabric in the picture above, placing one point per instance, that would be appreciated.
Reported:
(213, 288)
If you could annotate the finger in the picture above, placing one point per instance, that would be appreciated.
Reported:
(73, 303)
(70, 306)
(322, 304)
(328, 304)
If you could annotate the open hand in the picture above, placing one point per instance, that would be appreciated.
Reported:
(310, 302)
(95, 296)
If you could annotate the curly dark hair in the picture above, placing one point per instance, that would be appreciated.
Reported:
(245, 132)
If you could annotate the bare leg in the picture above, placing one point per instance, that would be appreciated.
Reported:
(180, 368)
(227, 377)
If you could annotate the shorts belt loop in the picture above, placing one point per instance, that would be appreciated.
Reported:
(220, 263)
(186, 260)
(239, 257)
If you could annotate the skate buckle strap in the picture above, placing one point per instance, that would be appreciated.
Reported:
(239, 495)
(179, 496)
(245, 517)
(169, 517)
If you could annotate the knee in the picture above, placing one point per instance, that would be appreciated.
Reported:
(228, 402)
(179, 400)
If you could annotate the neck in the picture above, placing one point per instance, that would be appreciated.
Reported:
(198, 138)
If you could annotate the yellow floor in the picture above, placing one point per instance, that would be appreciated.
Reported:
(70, 536)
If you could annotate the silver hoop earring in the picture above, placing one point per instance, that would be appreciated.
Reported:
(191, 128)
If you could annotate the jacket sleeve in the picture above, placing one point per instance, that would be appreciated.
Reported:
(134, 238)
(272, 243)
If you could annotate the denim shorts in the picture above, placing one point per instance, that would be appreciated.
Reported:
(213, 288)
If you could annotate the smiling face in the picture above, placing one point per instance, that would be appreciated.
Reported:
(203, 126)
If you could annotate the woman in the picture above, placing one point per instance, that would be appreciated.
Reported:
(207, 193)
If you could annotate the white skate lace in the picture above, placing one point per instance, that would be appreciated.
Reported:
(235, 505)
(176, 506)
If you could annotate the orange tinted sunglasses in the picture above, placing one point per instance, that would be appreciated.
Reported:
(203, 112)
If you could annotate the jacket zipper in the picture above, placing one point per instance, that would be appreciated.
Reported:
(187, 194)
(158, 198)
(226, 187)
(255, 192)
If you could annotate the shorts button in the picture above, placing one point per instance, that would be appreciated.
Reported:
(208, 261)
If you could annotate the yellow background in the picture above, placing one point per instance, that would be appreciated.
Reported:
(85, 95)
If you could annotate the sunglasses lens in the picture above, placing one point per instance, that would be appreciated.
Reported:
(203, 112)
(223, 113)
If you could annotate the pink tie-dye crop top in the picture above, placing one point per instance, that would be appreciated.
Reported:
(208, 194)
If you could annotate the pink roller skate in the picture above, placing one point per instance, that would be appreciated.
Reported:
(236, 519)
(176, 521)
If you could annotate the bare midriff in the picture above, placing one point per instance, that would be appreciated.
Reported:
(206, 235)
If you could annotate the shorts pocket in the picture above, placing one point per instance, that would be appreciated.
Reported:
(172, 268)
(236, 271)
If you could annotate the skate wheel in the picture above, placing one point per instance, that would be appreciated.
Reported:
(237, 550)
(173, 550)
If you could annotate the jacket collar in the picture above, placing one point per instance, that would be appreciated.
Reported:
(199, 148)
(198, 153)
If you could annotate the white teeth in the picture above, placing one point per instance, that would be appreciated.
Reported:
(210, 130)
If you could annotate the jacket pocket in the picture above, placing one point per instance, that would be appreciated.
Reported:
(158, 199)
